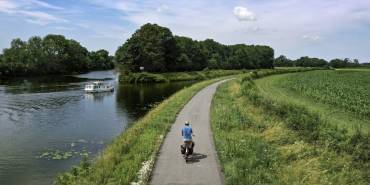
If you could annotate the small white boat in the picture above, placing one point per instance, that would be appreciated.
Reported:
(98, 86)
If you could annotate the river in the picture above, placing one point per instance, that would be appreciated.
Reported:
(48, 123)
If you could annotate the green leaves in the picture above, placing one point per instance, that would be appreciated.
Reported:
(152, 47)
(283, 61)
(53, 54)
(157, 50)
(100, 60)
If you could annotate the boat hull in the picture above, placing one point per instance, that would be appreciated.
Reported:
(111, 89)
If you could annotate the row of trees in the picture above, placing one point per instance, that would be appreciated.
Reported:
(53, 54)
(283, 61)
(344, 63)
(157, 50)
(153, 47)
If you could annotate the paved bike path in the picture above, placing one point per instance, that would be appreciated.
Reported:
(170, 167)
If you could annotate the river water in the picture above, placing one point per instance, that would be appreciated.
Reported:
(48, 123)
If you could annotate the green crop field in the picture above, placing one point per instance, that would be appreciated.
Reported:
(346, 89)
(278, 130)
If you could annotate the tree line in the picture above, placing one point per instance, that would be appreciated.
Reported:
(154, 48)
(151, 48)
(283, 61)
(52, 54)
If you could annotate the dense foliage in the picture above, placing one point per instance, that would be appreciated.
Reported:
(53, 54)
(310, 62)
(283, 61)
(191, 56)
(337, 63)
(152, 47)
(100, 60)
(346, 89)
(157, 50)
(177, 76)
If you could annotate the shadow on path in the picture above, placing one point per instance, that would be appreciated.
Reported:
(196, 157)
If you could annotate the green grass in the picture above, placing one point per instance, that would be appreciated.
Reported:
(345, 89)
(361, 68)
(121, 161)
(264, 141)
(176, 76)
(245, 157)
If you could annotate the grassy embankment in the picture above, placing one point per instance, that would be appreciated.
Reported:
(340, 96)
(263, 137)
(176, 76)
(130, 157)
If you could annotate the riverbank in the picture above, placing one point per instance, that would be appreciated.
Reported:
(145, 77)
(263, 141)
(130, 157)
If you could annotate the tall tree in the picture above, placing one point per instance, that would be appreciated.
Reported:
(283, 61)
(100, 60)
(152, 47)
(195, 59)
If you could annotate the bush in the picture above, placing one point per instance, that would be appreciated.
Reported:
(176, 76)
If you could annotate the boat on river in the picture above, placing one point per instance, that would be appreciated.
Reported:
(98, 86)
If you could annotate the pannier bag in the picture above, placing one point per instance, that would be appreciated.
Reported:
(182, 149)
(191, 151)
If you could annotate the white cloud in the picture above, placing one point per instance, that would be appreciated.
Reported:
(111, 32)
(163, 8)
(26, 9)
(256, 28)
(243, 14)
(41, 18)
(63, 28)
(311, 37)
(38, 15)
(8, 6)
(44, 4)
(83, 25)
(124, 6)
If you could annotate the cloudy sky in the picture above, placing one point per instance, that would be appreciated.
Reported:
(318, 28)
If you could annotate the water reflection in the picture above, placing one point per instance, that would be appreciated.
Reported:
(98, 97)
(138, 99)
(21, 85)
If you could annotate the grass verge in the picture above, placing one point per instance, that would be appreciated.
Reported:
(176, 76)
(129, 158)
(261, 141)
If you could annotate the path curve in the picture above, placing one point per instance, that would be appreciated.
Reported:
(170, 167)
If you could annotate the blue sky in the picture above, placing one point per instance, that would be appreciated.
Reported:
(318, 28)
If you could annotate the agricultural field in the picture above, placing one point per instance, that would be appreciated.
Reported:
(346, 89)
(270, 130)
(351, 85)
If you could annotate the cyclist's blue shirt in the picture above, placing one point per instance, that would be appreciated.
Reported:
(187, 132)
